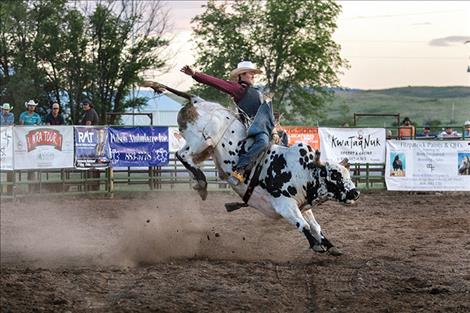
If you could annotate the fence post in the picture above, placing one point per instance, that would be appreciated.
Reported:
(110, 180)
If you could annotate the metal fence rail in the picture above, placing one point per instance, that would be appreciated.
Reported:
(174, 176)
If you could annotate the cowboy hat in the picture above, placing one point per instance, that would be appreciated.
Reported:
(243, 67)
(6, 106)
(30, 102)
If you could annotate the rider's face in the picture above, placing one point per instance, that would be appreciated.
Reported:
(248, 77)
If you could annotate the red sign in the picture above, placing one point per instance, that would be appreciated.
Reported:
(305, 134)
(44, 137)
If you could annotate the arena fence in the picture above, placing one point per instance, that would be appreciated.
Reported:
(21, 183)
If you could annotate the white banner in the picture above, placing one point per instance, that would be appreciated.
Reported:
(40, 147)
(359, 145)
(175, 139)
(428, 165)
(6, 148)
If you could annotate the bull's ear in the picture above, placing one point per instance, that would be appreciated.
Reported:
(345, 163)
(317, 157)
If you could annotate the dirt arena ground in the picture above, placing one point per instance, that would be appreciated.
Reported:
(171, 252)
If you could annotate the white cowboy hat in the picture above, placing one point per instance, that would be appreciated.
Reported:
(6, 106)
(243, 67)
(30, 102)
(467, 123)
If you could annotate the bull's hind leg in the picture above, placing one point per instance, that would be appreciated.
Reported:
(325, 244)
(288, 209)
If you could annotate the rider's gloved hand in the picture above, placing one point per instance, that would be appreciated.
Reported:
(188, 70)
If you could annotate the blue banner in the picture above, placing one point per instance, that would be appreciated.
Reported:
(91, 147)
(139, 146)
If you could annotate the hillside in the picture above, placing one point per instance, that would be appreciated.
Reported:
(423, 105)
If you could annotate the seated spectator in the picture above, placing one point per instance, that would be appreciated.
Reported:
(407, 130)
(29, 117)
(449, 132)
(89, 117)
(426, 133)
(466, 129)
(280, 136)
(7, 118)
(55, 116)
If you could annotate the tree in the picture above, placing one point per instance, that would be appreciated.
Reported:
(290, 40)
(53, 51)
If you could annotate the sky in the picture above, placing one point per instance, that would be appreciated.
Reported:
(387, 43)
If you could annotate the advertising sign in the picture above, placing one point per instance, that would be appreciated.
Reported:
(91, 147)
(6, 148)
(138, 146)
(359, 145)
(428, 165)
(305, 134)
(176, 140)
(38, 147)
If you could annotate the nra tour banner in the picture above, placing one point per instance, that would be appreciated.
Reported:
(91, 147)
(138, 146)
(437, 165)
(38, 147)
(305, 134)
(359, 145)
(6, 148)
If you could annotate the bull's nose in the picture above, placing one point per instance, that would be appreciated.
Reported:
(353, 194)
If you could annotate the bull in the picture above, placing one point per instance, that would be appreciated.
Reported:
(285, 181)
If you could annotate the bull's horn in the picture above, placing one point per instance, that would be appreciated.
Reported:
(345, 163)
(160, 87)
(157, 87)
(317, 157)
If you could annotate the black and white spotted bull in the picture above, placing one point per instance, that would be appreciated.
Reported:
(291, 180)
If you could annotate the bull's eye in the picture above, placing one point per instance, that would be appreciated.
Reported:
(334, 176)
(323, 172)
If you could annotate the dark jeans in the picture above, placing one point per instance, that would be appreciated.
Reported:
(246, 160)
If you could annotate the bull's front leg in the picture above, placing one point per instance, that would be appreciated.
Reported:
(196, 173)
(322, 243)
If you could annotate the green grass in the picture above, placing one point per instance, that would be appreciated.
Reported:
(448, 105)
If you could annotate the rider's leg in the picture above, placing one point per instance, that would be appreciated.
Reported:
(245, 161)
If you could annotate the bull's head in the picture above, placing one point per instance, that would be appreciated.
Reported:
(336, 183)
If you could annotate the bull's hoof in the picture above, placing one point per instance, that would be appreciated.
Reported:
(202, 193)
(233, 206)
(319, 248)
(335, 251)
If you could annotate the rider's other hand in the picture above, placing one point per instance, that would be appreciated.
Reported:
(187, 70)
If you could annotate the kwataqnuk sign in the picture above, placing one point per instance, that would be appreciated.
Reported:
(40, 147)
(305, 134)
(359, 145)
(437, 165)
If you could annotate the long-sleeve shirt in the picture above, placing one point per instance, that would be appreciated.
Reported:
(234, 89)
(6, 120)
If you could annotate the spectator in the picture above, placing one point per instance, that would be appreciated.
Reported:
(29, 117)
(280, 136)
(466, 129)
(7, 118)
(426, 133)
(89, 117)
(407, 130)
(55, 116)
(449, 132)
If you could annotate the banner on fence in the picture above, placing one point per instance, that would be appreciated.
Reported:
(43, 147)
(6, 148)
(91, 147)
(138, 146)
(176, 140)
(359, 145)
(428, 165)
(305, 134)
